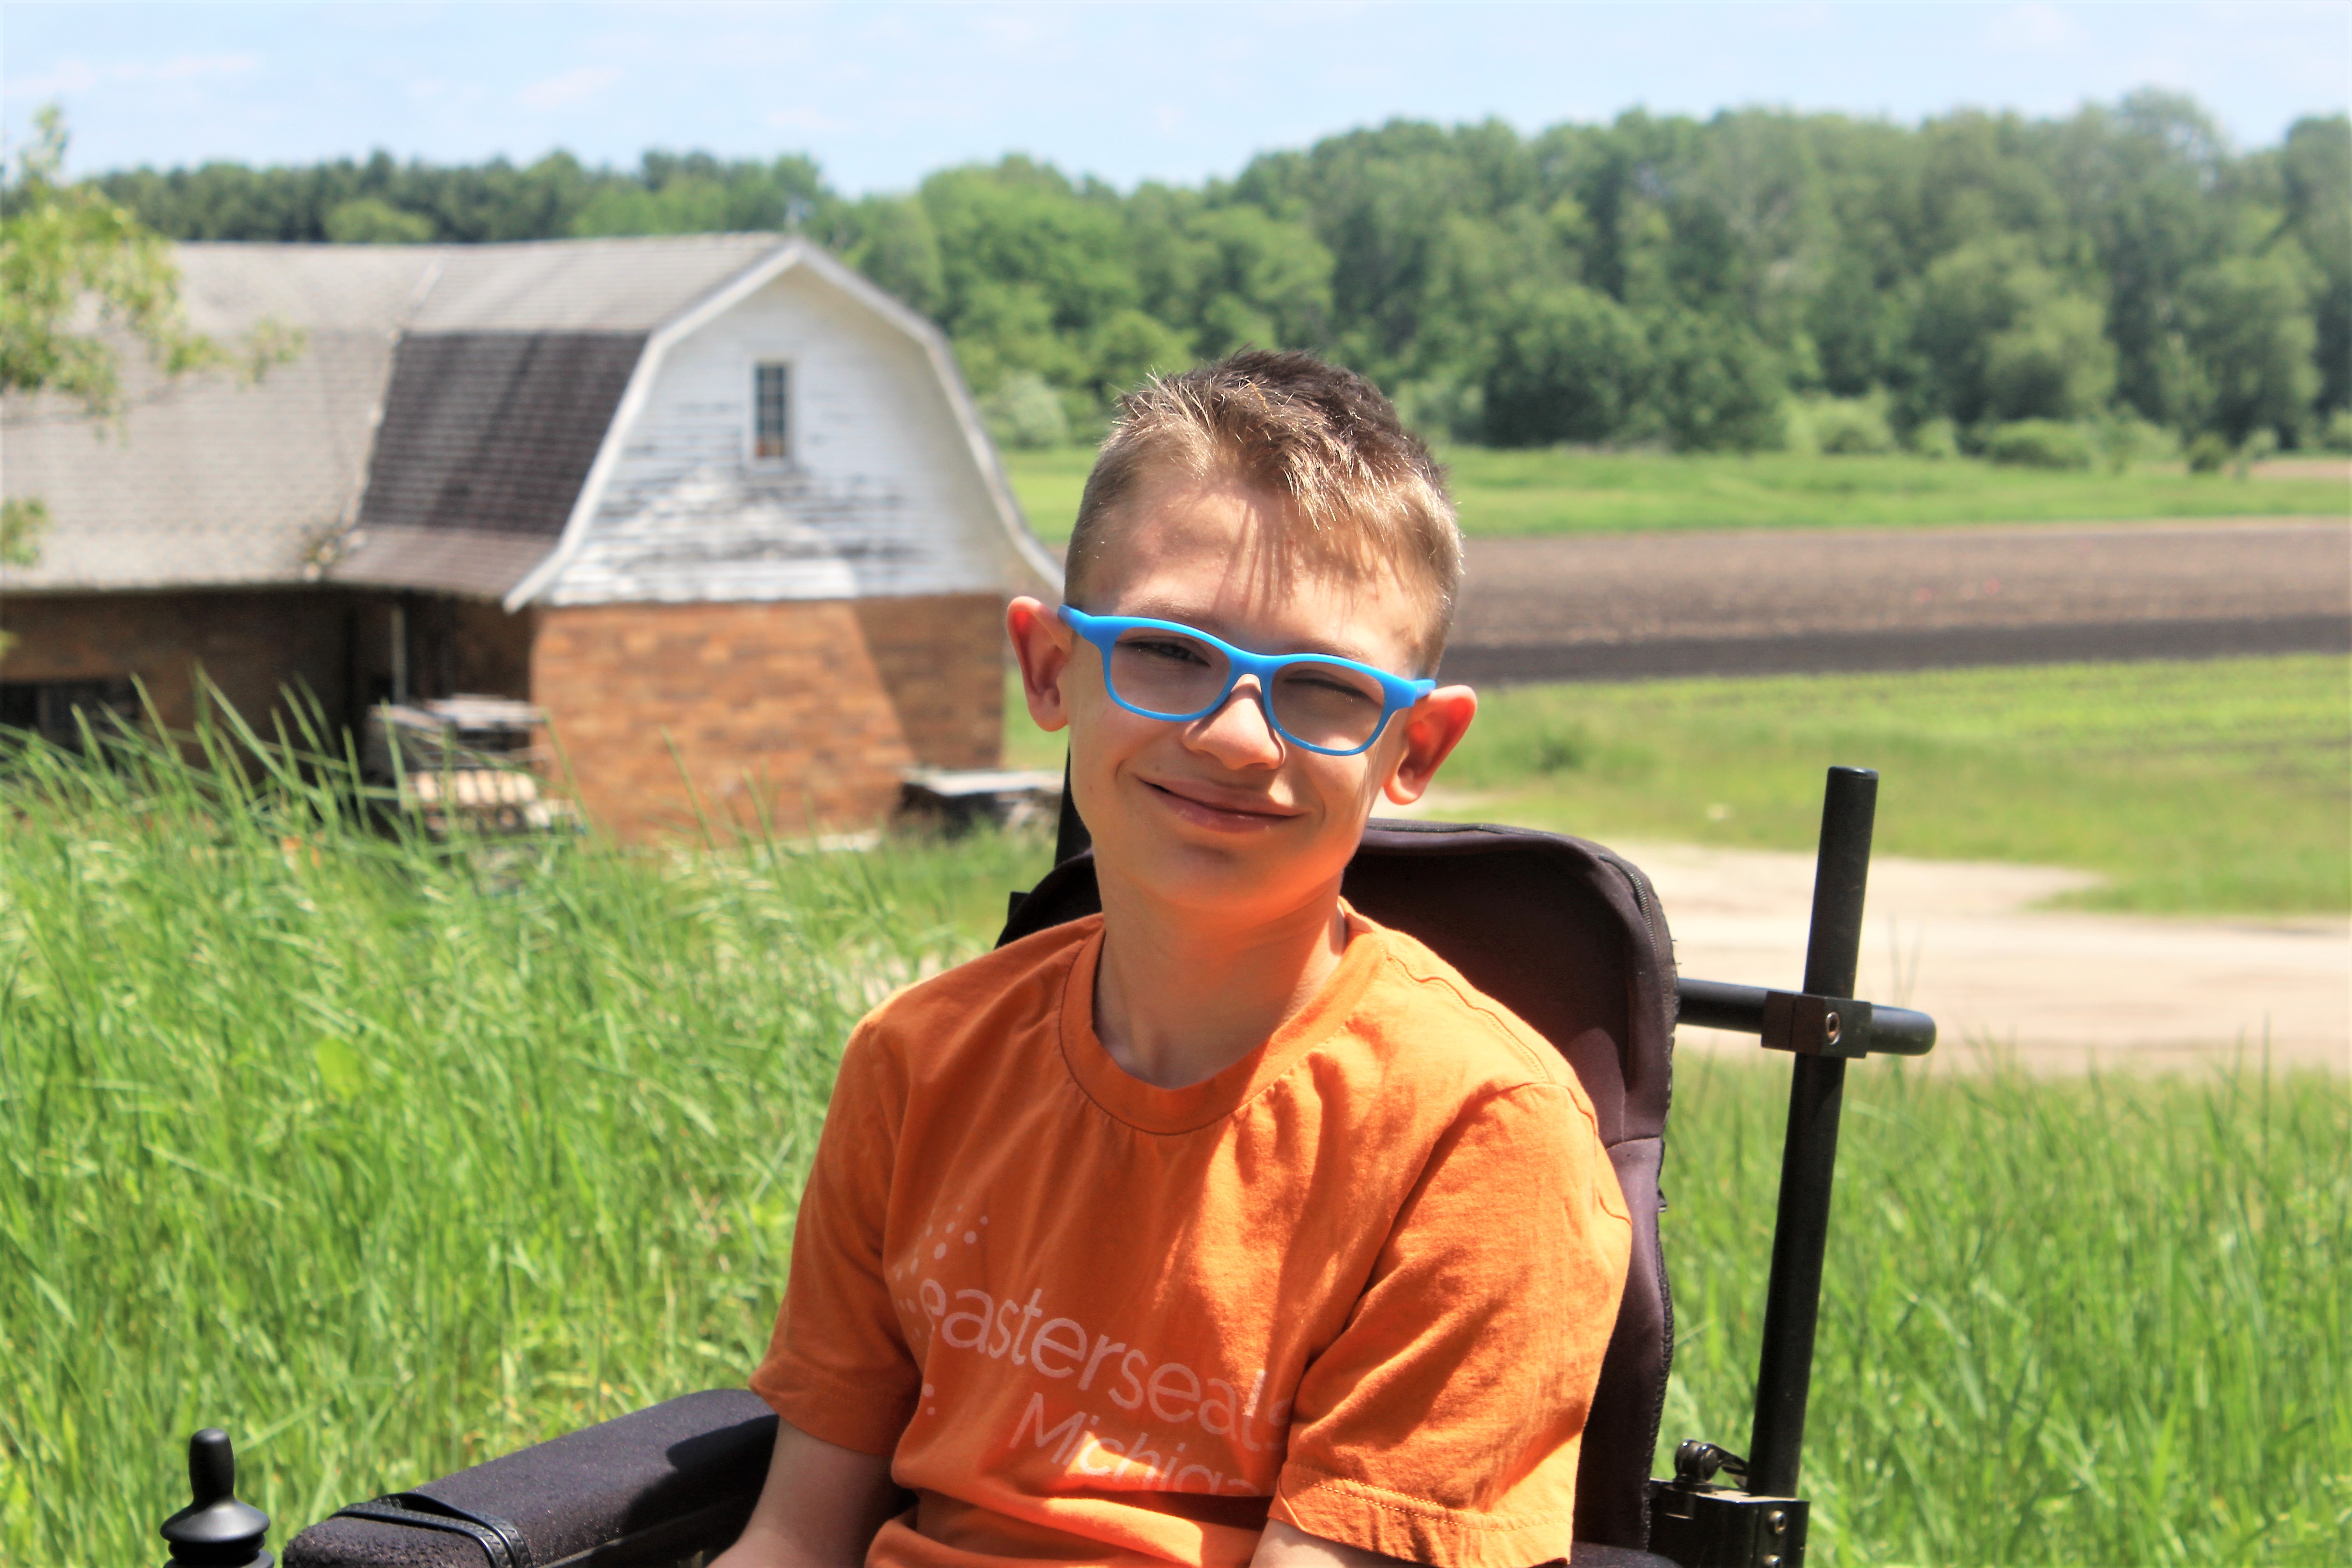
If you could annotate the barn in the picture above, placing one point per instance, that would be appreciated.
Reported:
(721, 508)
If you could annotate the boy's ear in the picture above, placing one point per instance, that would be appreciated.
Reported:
(1042, 642)
(1432, 727)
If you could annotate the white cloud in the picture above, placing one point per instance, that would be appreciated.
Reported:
(75, 75)
(187, 67)
(2034, 29)
(65, 76)
(573, 87)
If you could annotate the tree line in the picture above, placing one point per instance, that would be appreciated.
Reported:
(1732, 283)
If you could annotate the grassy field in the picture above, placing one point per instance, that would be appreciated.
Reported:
(1515, 493)
(2222, 786)
(2062, 1322)
(390, 1157)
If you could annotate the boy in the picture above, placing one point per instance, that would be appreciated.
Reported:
(1225, 1228)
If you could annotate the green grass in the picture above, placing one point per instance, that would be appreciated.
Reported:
(2192, 787)
(2217, 786)
(1518, 493)
(2083, 1320)
(391, 1156)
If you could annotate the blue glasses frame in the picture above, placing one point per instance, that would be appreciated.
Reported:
(1397, 692)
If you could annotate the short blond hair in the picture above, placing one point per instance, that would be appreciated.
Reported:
(1364, 492)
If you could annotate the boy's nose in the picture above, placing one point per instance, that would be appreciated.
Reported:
(1240, 734)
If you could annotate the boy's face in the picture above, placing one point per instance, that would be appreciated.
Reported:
(1219, 813)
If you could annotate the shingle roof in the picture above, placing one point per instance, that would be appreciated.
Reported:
(584, 285)
(206, 482)
(215, 484)
(489, 436)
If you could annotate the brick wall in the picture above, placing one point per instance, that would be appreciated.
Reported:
(942, 660)
(806, 710)
(251, 644)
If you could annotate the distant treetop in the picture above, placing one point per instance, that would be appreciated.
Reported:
(1655, 280)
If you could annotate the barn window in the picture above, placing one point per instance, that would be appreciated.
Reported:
(772, 427)
(55, 709)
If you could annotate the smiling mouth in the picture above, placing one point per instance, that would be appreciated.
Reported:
(1218, 813)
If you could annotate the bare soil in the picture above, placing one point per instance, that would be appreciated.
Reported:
(1753, 601)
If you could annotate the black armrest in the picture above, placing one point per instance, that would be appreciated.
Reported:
(652, 1488)
(1589, 1554)
(656, 1488)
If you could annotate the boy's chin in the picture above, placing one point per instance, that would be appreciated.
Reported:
(1253, 878)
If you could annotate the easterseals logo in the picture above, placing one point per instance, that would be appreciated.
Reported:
(1104, 1413)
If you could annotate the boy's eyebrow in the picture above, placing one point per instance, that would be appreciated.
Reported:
(1156, 611)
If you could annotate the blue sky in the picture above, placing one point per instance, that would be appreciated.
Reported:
(881, 94)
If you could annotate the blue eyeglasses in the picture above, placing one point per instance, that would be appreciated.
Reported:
(1160, 669)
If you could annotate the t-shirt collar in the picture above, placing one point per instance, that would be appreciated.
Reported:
(1151, 1108)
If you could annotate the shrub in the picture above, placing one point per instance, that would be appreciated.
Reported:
(1936, 438)
(2039, 444)
(1444, 408)
(369, 221)
(1714, 385)
(1024, 411)
(2335, 435)
(1850, 426)
(2125, 439)
(2210, 453)
(1570, 365)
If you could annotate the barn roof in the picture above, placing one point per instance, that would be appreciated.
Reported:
(485, 441)
(435, 432)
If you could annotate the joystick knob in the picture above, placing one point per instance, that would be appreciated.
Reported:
(216, 1530)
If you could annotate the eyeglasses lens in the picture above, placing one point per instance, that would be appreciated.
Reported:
(1174, 676)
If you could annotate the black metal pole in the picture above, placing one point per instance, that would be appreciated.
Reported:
(1809, 1156)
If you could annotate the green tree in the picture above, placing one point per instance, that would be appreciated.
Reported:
(2247, 324)
(1975, 269)
(77, 271)
(1128, 346)
(1572, 365)
(65, 247)
(2316, 179)
(1715, 387)
(2004, 338)
(891, 240)
(2150, 198)
(1264, 281)
(371, 220)
(2053, 361)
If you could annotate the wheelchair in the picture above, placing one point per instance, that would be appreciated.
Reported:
(1566, 933)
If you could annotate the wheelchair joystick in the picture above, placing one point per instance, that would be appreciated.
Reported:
(216, 1530)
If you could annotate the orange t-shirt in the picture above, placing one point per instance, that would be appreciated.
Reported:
(1362, 1277)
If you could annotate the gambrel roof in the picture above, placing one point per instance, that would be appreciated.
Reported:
(442, 427)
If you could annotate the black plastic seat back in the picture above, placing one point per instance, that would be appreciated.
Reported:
(1570, 937)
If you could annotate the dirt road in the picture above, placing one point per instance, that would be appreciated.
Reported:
(1751, 602)
(2055, 990)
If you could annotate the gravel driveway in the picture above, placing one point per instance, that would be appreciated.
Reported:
(2049, 990)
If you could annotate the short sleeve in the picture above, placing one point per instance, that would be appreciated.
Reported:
(1441, 1425)
(838, 1366)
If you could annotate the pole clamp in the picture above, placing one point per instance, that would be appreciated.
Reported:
(1816, 1025)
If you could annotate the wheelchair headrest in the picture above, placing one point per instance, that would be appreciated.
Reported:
(1564, 932)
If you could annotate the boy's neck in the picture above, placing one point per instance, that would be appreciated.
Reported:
(1180, 996)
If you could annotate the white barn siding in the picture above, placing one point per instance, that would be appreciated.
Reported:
(881, 498)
